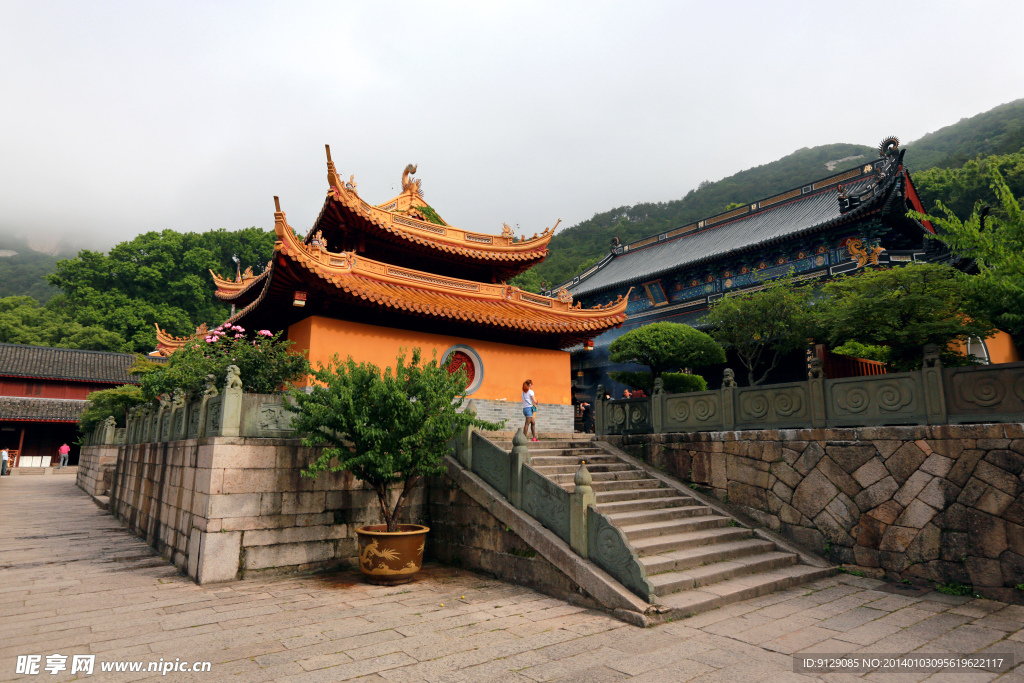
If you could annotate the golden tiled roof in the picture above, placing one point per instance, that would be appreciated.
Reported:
(167, 343)
(417, 293)
(401, 217)
(229, 290)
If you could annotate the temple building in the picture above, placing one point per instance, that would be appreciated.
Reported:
(43, 392)
(370, 280)
(838, 224)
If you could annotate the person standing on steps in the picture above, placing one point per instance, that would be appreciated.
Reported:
(529, 408)
(63, 450)
(3, 462)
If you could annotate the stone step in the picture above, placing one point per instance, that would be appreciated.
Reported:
(668, 527)
(717, 572)
(679, 560)
(633, 494)
(650, 504)
(536, 460)
(651, 532)
(545, 444)
(692, 508)
(571, 469)
(693, 602)
(621, 475)
(659, 545)
(613, 485)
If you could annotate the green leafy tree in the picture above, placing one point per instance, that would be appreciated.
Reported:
(666, 346)
(24, 321)
(674, 382)
(762, 327)
(265, 363)
(386, 427)
(107, 402)
(957, 190)
(157, 277)
(865, 351)
(998, 249)
(903, 309)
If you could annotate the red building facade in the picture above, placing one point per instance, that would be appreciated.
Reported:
(43, 391)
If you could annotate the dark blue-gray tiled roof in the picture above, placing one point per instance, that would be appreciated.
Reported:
(800, 215)
(46, 362)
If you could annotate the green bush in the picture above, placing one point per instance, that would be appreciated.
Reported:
(666, 346)
(384, 427)
(107, 402)
(675, 382)
(865, 351)
(681, 383)
(265, 363)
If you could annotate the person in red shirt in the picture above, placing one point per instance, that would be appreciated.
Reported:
(63, 450)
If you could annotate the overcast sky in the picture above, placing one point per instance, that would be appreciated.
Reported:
(122, 117)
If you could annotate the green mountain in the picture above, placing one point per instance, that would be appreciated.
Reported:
(998, 131)
(22, 270)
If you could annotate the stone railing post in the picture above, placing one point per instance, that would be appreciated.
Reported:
(519, 456)
(599, 411)
(161, 417)
(728, 400)
(816, 392)
(658, 406)
(231, 403)
(209, 391)
(109, 425)
(464, 447)
(931, 379)
(581, 498)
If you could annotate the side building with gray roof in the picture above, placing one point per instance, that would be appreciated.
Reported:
(838, 224)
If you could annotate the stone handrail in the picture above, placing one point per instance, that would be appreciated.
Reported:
(931, 395)
(213, 413)
(573, 517)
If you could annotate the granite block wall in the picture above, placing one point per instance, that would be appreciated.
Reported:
(96, 468)
(463, 533)
(224, 508)
(939, 503)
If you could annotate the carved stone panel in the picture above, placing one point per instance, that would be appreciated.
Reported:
(695, 411)
(491, 463)
(609, 550)
(876, 400)
(772, 407)
(213, 409)
(273, 417)
(638, 416)
(177, 429)
(193, 420)
(989, 393)
(165, 427)
(546, 502)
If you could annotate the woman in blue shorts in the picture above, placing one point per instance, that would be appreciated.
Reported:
(529, 408)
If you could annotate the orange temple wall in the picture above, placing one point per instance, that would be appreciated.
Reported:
(505, 366)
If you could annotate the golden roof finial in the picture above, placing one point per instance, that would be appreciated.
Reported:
(277, 204)
(332, 173)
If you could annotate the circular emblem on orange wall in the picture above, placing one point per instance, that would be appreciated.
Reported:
(464, 357)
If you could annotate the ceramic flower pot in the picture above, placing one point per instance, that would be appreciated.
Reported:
(389, 558)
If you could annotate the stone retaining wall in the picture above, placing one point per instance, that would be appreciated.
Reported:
(940, 503)
(96, 468)
(224, 508)
(551, 417)
(464, 533)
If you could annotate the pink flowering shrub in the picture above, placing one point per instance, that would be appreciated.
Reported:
(265, 361)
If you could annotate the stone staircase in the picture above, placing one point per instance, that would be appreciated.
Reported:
(696, 557)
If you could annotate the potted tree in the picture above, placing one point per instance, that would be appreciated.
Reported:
(389, 429)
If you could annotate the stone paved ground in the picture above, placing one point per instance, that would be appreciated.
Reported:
(74, 582)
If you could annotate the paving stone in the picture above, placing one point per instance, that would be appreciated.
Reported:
(331, 627)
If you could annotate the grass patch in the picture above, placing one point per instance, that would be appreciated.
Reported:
(953, 588)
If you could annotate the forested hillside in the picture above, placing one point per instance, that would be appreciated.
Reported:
(110, 302)
(998, 131)
(23, 271)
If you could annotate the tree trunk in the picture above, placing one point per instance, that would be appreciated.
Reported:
(385, 509)
(407, 486)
